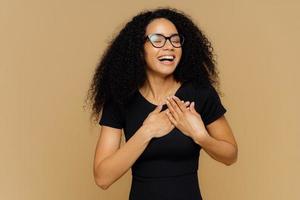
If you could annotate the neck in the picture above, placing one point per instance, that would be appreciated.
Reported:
(157, 89)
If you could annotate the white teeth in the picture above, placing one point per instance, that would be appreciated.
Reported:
(166, 57)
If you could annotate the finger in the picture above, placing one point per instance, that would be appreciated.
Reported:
(176, 106)
(158, 108)
(187, 103)
(171, 118)
(172, 110)
(179, 103)
(192, 108)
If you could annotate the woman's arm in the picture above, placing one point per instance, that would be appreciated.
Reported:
(115, 161)
(220, 143)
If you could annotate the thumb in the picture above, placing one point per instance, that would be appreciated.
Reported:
(192, 107)
(158, 108)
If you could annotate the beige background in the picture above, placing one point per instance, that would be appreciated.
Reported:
(49, 50)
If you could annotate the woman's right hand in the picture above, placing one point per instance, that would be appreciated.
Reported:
(158, 123)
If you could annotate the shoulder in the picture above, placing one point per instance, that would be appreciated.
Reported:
(112, 114)
(204, 91)
(208, 103)
(111, 104)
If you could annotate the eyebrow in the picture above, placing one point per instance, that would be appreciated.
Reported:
(164, 34)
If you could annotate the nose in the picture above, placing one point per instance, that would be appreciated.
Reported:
(168, 45)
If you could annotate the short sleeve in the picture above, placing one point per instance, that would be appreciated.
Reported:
(212, 106)
(111, 115)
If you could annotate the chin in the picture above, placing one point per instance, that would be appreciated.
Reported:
(163, 69)
(166, 71)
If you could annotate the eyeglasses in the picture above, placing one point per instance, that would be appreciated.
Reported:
(158, 40)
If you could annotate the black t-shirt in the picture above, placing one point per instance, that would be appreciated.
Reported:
(175, 153)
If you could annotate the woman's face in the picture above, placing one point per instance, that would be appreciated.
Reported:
(162, 60)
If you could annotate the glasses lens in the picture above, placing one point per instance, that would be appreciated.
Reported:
(157, 40)
(177, 40)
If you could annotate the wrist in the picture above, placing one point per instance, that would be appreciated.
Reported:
(200, 139)
(146, 131)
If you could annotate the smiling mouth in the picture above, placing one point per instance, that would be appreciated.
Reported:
(167, 59)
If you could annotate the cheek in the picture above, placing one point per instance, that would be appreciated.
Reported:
(147, 57)
(150, 54)
(179, 54)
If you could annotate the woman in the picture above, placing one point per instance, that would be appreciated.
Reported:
(155, 82)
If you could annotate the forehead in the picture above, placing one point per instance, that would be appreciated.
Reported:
(161, 25)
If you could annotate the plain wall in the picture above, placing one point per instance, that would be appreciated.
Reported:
(49, 50)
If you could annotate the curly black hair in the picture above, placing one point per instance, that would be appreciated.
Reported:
(121, 70)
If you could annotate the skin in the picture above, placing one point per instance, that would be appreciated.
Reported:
(217, 137)
(112, 160)
(160, 80)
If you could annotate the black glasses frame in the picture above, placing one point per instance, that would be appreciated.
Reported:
(148, 37)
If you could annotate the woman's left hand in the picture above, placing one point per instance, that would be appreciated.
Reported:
(187, 120)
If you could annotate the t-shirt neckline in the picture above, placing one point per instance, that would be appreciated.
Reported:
(146, 100)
